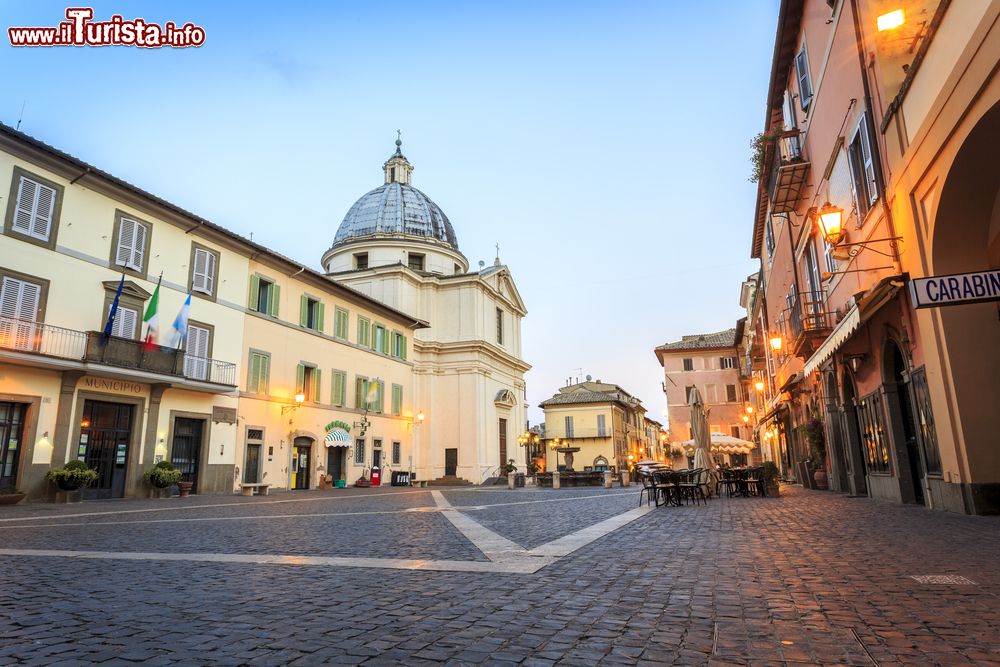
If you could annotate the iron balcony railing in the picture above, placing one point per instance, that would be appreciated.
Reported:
(787, 171)
(809, 315)
(87, 346)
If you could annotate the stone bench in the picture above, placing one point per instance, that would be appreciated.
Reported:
(247, 489)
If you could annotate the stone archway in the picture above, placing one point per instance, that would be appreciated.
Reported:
(966, 238)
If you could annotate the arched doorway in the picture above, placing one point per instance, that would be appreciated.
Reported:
(301, 462)
(966, 238)
(895, 380)
(857, 482)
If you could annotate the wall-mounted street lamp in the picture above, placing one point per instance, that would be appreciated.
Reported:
(758, 385)
(299, 400)
(830, 220)
(776, 343)
(749, 409)
(890, 20)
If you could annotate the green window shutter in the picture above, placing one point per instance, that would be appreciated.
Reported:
(402, 355)
(272, 306)
(320, 315)
(338, 389)
(265, 373)
(254, 292)
(385, 342)
(359, 393)
(394, 347)
(300, 378)
(380, 396)
(317, 385)
(253, 377)
(397, 399)
(303, 310)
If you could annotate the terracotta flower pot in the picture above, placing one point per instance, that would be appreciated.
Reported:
(185, 488)
(820, 477)
(11, 498)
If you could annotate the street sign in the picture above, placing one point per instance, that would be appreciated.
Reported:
(955, 289)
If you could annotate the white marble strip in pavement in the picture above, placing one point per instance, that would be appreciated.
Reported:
(570, 543)
(494, 546)
(509, 566)
(233, 503)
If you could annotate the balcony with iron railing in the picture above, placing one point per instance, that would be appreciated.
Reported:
(809, 323)
(52, 342)
(788, 170)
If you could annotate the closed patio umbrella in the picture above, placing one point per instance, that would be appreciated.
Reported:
(702, 438)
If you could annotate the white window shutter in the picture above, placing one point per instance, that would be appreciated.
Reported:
(42, 223)
(210, 272)
(198, 271)
(10, 297)
(139, 246)
(25, 209)
(195, 356)
(124, 324)
(19, 301)
(126, 239)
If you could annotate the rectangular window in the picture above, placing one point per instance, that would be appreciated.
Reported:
(601, 427)
(731, 393)
(828, 258)
(769, 238)
(398, 345)
(204, 270)
(131, 243)
(264, 295)
(359, 451)
(341, 320)
(569, 426)
(34, 210)
(364, 332)
(311, 313)
(727, 362)
(734, 431)
(380, 341)
(307, 381)
(361, 260)
(360, 392)
(862, 163)
(125, 321)
(802, 75)
(339, 395)
(873, 436)
(499, 326)
(397, 453)
(259, 372)
(689, 364)
(197, 351)
(20, 307)
(378, 404)
(925, 420)
(397, 399)
(415, 261)
(711, 397)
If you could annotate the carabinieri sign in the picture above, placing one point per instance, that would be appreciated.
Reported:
(955, 289)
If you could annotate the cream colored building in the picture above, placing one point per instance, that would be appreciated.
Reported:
(398, 247)
(603, 420)
(69, 232)
(311, 337)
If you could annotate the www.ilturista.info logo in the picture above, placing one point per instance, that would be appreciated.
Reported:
(81, 30)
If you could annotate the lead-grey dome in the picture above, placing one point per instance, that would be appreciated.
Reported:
(396, 208)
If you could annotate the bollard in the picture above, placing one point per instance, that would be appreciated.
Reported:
(555, 479)
(607, 479)
(625, 478)
(510, 481)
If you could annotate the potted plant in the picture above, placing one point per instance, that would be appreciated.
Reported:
(815, 436)
(162, 475)
(758, 148)
(364, 481)
(72, 476)
(10, 496)
(770, 474)
(185, 488)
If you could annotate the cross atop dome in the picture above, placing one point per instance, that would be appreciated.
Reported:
(397, 168)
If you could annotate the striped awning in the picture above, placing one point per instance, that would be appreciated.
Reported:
(337, 437)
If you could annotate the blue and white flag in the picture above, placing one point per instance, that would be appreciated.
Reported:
(181, 323)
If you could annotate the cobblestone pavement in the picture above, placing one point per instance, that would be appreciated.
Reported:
(808, 578)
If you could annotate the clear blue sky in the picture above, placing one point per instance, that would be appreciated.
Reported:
(604, 146)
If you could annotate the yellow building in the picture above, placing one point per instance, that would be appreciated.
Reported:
(604, 421)
(346, 357)
(71, 235)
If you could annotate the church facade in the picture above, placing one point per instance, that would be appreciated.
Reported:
(398, 247)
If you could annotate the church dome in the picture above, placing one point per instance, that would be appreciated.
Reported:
(396, 208)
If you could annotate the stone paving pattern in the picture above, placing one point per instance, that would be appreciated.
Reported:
(808, 578)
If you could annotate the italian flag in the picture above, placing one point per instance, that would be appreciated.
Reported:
(152, 318)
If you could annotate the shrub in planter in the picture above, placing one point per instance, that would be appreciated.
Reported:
(72, 476)
(162, 475)
(770, 475)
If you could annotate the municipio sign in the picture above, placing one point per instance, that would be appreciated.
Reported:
(955, 289)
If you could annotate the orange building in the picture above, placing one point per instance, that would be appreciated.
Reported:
(879, 126)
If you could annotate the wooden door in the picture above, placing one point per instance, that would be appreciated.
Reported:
(450, 462)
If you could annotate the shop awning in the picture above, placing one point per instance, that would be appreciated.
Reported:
(337, 437)
(860, 313)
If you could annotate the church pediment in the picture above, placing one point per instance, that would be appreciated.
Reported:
(505, 398)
